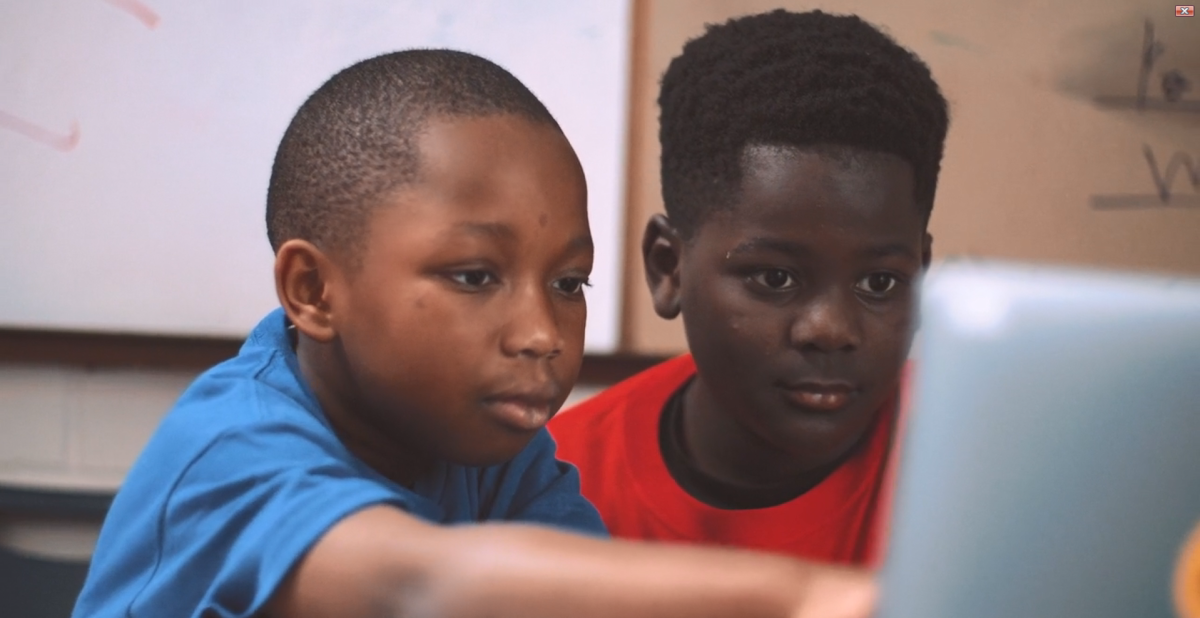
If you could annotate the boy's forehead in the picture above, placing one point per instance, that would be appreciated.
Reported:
(810, 195)
(789, 182)
(492, 178)
(471, 154)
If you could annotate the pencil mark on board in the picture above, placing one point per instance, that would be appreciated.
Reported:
(1171, 82)
(1163, 177)
(62, 142)
(138, 9)
(952, 40)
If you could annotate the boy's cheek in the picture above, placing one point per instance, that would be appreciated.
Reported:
(892, 332)
(572, 321)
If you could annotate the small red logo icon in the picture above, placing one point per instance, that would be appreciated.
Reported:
(1188, 10)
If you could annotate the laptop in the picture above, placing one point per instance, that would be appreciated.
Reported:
(1050, 464)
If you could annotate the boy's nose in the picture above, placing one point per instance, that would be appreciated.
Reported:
(532, 330)
(827, 323)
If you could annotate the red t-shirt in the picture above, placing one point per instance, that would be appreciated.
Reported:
(613, 439)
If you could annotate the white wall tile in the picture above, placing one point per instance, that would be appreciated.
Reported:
(49, 539)
(115, 414)
(33, 415)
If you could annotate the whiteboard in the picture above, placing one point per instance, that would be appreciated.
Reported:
(136, 141)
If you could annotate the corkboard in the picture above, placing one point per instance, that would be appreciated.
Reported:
(1064, 147)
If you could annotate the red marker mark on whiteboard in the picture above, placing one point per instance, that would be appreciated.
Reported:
(138, 9)
(57, 141)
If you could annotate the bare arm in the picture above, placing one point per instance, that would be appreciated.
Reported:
(384, 563)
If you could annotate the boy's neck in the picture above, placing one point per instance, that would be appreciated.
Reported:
(720, 448)
(353, 426)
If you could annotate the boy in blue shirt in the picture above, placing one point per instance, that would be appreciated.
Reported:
(430, 229)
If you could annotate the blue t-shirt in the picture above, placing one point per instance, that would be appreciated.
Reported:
(245, 475)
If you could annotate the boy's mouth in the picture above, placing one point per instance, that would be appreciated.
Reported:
(820, 395)
(526, 411)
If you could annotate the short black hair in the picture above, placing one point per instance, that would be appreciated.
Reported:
(355, 139)
(807, 80)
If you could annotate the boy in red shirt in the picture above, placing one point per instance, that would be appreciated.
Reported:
(800, 156)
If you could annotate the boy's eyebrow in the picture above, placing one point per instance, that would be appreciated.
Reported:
(499, 231)
(769, 244)
(795, 248)
(580, 244)
(900, 249)
(503, 232)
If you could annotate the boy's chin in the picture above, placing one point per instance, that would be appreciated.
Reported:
(817, 435)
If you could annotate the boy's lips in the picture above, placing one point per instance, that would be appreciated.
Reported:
(819, 395)
(524, 410)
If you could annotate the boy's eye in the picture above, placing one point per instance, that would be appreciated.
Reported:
(877, 284)
(473, 278)
(774, 279)
(572, 285)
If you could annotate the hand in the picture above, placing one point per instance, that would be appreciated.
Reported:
(837, 593)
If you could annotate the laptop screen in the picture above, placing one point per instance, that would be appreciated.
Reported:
(1051, 462)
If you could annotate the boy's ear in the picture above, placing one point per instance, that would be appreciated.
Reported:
(302, 283)
(662, 249)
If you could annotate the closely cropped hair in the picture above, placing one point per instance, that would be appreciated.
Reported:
(808, 80)
(354, 140)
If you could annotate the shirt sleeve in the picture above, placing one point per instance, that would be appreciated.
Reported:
(242, 515)
(536, 487)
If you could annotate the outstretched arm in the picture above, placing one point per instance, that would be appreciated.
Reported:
(384, 563)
